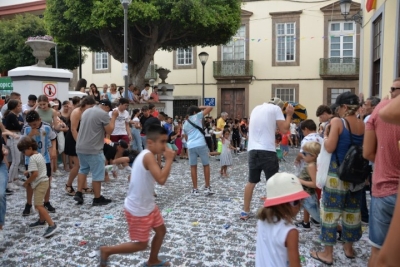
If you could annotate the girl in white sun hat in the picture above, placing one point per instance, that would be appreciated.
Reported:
(277, 237)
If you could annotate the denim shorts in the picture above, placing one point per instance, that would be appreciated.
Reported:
(200, 151)
(92, 163)
(262, 160)
(310, 204)
(381, 213)
(285, 148)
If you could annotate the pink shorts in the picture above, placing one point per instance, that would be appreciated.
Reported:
(139, 227)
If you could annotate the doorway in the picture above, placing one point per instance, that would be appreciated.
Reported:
(233, 102)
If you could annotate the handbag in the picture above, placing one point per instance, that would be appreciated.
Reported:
(323, 162)
(61, 142)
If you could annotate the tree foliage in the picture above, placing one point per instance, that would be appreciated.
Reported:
(15, 53)
(152, 25)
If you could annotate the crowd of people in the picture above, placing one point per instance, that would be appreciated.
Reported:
(99, 133)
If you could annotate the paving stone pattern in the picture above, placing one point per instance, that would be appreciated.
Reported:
(202, 231)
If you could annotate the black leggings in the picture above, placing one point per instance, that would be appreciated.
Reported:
(235, 141)
(209, 143)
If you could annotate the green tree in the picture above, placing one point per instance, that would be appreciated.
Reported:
(152, 25)
(15, 53)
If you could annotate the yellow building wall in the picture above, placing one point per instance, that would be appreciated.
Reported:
(388, 57)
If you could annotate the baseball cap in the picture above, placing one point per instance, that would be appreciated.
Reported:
(282, 188)
(52, 104)
(277, 101)
(105, 102)
(347, 98)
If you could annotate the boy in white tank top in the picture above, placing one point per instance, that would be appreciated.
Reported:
(141, 211)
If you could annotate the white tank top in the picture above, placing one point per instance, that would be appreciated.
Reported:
(270, 248)
(140, 199)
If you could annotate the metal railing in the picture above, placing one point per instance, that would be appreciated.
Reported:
(151, 72)
(346, 66)
(233, 68)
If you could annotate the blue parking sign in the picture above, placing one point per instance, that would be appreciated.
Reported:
(209, 102)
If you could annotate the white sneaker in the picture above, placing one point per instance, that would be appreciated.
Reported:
(208, 191)
(12, 186)
(195, 192)
(57, 173)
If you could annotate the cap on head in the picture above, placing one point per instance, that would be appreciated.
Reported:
(277, 101)
(282, 188)
(52, 104)
(105, 102)
(347, 98)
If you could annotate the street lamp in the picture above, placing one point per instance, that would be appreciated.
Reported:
(203, 56)
(345, 6)
(125, 4)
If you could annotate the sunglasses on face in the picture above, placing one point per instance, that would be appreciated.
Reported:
(392, 89)
(306, 153)
(295, 203)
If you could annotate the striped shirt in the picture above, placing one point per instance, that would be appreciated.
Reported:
(37, 163)
(46, 135)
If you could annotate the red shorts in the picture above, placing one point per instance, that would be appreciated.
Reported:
(139, 227)
(116, 138)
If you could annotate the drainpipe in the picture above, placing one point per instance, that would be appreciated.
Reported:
(361, 62)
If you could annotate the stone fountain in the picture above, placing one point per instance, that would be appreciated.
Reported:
(41, 79)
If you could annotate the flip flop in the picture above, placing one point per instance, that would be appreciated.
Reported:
(350, 257)
(320, 260)
(161, 264)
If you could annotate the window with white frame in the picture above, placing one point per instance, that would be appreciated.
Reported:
(285, 42)
(236, 48)
(334, 92)
(286, 94)
(342, 39)
(184, 56)
(101, 61)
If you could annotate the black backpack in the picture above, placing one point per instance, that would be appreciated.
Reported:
(354, 168)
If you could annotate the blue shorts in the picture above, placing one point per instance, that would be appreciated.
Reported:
(200, 151)
(381, 213)
(284, 148)
(92, 163)
(310, 204)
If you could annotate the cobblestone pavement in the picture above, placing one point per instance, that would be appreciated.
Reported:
(202, 231)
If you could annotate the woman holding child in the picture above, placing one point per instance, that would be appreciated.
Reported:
(340, 199)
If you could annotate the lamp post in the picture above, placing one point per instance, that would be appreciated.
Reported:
(125, 4)
(203, 56)
(345, 6)
(151, 82)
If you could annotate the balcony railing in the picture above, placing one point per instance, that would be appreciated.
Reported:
(151, 72)
(346, 67)
(233, 69)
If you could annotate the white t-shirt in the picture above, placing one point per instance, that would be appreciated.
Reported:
(270, 247)
(312, 137)
(145, 95)
(140, 199)
(120, 126)
(293, 128)
(114, 97)
(37, 163)
(262, 127)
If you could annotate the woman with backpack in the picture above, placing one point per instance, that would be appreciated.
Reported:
(341, 199)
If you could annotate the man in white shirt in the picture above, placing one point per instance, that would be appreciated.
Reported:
(369, 105)
(145, 93)
(31, 105)
(122, 129)
(261, 146)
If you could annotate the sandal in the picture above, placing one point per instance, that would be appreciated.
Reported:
(70, 190)
(163, 263)
(320, 260)
(87, 191)
(349, 257)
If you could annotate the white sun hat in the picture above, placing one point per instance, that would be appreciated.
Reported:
(282, 188)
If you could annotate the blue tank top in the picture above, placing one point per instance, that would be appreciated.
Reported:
(343, 146)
